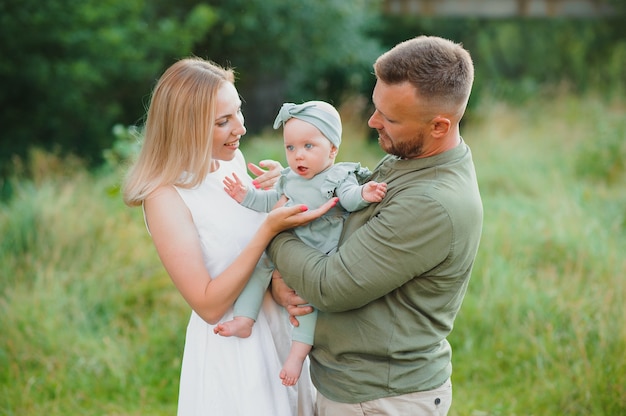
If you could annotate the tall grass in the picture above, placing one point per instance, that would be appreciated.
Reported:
(542, 329)
(91, 325)
(89, 322)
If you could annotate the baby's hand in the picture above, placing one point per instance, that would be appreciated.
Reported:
(235, 188)
(374, 191)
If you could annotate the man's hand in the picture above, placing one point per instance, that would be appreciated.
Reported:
(288, 298)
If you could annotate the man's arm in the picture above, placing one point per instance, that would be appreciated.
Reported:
(399, 239)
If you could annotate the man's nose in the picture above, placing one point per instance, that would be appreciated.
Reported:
(374, 121)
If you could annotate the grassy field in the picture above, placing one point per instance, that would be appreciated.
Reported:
(90, 324)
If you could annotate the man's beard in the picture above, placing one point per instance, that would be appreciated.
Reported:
(409, 149)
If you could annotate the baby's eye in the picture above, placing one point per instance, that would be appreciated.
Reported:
(308, 146)
(289, 147)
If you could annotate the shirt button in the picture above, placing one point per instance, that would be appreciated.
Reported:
(437, 401)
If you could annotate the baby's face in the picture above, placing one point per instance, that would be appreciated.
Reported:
(308, 151)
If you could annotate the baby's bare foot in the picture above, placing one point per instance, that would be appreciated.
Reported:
(291, 370)
(240, 327)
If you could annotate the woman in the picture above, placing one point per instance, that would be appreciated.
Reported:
(209, 244)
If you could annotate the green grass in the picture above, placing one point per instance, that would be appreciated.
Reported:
(90, 323)
(542, 329)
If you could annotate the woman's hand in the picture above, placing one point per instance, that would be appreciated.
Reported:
(283, 218)
(288, 298)
(265, 178)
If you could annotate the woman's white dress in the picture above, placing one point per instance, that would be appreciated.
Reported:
(229, 376)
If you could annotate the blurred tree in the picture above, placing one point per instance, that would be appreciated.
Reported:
(293, 50)
(515, 58)
(70, 70)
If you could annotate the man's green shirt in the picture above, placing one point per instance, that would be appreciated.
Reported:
(388, 297)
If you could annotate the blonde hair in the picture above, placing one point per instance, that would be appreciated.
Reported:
(178, 134)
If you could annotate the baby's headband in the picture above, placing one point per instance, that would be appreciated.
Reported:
(327, 123)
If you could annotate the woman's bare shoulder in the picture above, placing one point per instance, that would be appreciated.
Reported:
(163, 199)
(165, 210)
(164, 192)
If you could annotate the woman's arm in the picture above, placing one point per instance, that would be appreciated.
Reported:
(178, 246)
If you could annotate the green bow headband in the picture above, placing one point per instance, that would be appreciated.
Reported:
(327, 123)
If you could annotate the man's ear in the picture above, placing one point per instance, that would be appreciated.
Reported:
(440, 126)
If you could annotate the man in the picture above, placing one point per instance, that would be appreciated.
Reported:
(388, 297)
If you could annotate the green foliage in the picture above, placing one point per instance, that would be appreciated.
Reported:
(289, 41)
(125, 147)
(71, 70)
(515, 59)
(292, 50)
(91, 324)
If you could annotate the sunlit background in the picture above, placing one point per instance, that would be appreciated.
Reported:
(90, 323)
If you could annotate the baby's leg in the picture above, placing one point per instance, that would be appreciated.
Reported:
(248, 304)
(239, 326)
(293, 365)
